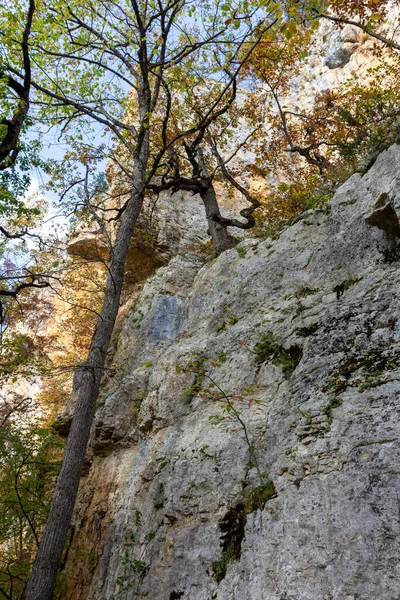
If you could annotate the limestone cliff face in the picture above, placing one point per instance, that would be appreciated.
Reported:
(171, 506)
(337, 55)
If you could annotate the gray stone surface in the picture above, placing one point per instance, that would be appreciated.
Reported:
(312, 320)
(338, 56)
(347, 43)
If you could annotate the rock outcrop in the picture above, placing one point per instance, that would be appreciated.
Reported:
(337, 56)
(173, 506)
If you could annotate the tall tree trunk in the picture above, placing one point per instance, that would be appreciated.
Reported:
(42, 579)
(218, 230)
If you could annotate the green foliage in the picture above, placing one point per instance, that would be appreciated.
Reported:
(341, 132)
(233, 524)
(15, 181)
(302, 292)
(265, 348)
(234, 407)
(197, 366)
(219, 566)
(343, 286)
(232, 320)
(133, 569)
(334, 402)
(222, 356)
(291, 452)
(373, 382)
(29, 464)
(221, 327)
(241, 251)
(24, 267)
(283, 205)
(372, 367)
(257, 497)
(369, 110)
(268, 349)
(306, 414)
(17, 358)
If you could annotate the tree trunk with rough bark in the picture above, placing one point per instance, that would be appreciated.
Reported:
(43, 575)
(217, 228)
(221, 239)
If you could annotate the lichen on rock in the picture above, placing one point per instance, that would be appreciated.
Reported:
(326, 433)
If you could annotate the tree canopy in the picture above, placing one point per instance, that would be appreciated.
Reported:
(177, 95)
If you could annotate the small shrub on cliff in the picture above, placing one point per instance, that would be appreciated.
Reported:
(234, 407)
(232, 525)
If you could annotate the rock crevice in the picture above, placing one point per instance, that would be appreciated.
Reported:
(325, 427)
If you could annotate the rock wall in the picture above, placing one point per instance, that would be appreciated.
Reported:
(172, 506)
(338, 55)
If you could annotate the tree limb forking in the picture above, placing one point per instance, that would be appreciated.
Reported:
(148, 24)
(367, 30)
(246, 213)
(9, 149)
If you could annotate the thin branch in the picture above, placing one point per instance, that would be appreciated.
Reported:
(364, 28)
(246, 213)
(9, 149)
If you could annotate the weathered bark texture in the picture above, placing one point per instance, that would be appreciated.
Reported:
(44, 572)
(218, 230)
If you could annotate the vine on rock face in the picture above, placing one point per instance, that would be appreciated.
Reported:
(233, 406)
(233, 524)
(133, 568)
